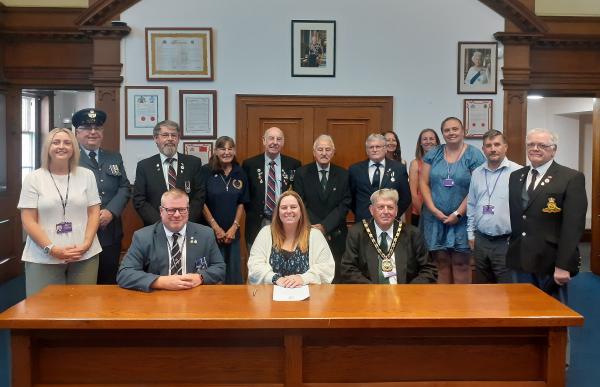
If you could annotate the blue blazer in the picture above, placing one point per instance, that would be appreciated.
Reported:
(114, 191)
(394, 177)
(148, 257)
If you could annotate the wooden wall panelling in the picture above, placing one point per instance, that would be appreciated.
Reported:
(595, 199)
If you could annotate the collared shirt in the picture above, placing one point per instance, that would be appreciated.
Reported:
(165, 165)
(489, 187)
(542, 169)
(87, 152)
(181, 242)
(372, 170)
(277, 175)
(390, 234)
(319, 169)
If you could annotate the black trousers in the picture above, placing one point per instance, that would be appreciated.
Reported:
(109, 264)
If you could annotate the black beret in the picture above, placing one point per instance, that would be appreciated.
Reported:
(88, 117)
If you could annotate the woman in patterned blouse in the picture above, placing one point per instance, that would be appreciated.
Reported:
(288, 252)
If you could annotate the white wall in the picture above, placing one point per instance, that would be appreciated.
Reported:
(67, 102)
(384, 47)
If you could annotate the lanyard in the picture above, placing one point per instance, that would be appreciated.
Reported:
(455, 161)
(64, 201)
(487, 186)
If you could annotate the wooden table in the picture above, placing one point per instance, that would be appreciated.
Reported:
(408, 335)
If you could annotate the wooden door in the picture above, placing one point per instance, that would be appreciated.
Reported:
(349, 120)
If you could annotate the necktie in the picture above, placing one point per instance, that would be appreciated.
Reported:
(323, 179)
(534, 174)
(270, 202)
(376, 177)
(175, 256)
(172, 174)
(383, 245)
(92, 155)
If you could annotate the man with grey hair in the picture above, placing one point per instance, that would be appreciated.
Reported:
(324, 188)
(382, 250)
(269, 174)
(547, 215)
(173, 254)
(167, 170)
(375, 173)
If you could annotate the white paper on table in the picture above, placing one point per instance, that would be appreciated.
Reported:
(290, 294)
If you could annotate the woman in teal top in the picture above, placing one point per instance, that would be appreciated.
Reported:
(444, 183)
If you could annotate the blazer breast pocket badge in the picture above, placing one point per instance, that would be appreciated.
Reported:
(551, 207)
(201, 263)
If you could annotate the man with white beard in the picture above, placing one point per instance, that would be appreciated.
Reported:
(166, 170)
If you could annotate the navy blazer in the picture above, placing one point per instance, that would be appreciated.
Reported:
(394, 177)
(547, 230)
(148, 257)
(150, 185)
(256, 185)
(114, 191)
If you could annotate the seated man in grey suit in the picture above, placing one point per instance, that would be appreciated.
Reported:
(172, 254)
(382, 250)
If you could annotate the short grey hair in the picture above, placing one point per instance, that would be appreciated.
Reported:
(375, 137)
(166, 123)
(553, 136)
(384, 193)
(324, 138)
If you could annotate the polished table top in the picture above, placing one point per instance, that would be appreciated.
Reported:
(251, 307)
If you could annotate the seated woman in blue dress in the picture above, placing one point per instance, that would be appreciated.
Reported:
(288, 252)
(226, 194)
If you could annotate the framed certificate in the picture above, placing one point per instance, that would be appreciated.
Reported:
(145, 106)
(477, 117)
(179, 53)
(198, 113)
(202, 150)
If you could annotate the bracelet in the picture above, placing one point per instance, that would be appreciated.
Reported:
(236, 223)
(458, 215)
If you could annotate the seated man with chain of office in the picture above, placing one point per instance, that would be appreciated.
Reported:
(382, 250)
(172, 254)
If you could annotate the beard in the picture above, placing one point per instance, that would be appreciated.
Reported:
(169, 150)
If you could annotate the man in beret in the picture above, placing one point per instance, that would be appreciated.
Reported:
(113, 188)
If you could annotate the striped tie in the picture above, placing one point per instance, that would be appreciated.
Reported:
(270, 202)
(175, 256)
(172, 174)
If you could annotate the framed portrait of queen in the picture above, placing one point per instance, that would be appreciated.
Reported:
(477, 67)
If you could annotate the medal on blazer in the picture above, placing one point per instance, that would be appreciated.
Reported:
(386, 259)
(237, 184)
(188, 187)
(551, 207)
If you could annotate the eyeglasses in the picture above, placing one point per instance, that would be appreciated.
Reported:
(169, 135)
(90, 128)
(532, 145)
(172, 211)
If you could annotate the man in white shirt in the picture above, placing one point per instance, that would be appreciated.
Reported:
(172, 254)
(382, 250)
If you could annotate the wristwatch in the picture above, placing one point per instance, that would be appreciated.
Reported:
(457, 214)
(48, 248)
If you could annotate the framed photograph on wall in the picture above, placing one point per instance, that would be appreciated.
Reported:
(477, 117)
(477, 67)
(198, 113)
(179, 53)
(145, 106)
(313, 48)
(202, 150)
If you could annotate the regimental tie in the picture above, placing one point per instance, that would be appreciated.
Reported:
(531, 188)
(176, 256)
(270, 202)
(323, 179)
(92, 155)
(383, 245)
(172, 174)
(376, 176)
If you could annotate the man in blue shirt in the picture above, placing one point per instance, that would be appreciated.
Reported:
(488, 215)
